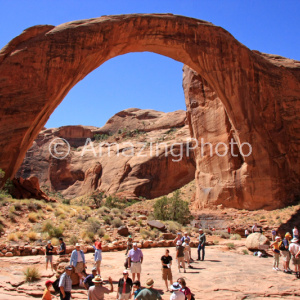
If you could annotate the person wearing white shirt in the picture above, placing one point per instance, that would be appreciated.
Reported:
(294, 249)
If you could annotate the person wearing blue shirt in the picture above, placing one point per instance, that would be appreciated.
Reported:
(78, 261)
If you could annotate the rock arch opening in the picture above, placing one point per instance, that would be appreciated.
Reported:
(40, 66)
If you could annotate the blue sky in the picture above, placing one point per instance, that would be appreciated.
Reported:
(147, 80)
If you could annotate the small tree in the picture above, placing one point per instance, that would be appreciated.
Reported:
(98, 198)
(174, 209)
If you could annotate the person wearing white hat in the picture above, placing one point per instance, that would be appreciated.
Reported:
(98, 291)
(201, 246)
(135, 260)
(149, 293)
(294, 249)
(124, 286)
(78, 261)
(180, 255)
(176, 293)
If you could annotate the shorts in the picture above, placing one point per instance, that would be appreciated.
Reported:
(98, 263)
(296, 261)
(124, 296)
(49, 258)
(136, 267)
(79, 267)
(285, 255)
(167, 274)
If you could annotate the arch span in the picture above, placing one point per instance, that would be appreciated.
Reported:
(260, 92)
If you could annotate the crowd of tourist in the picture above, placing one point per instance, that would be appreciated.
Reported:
(127, 288)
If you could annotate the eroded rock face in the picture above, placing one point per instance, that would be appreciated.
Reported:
(123, 161)
(260, 92)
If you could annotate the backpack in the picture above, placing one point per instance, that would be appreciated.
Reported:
(55, 285)
(282, 247)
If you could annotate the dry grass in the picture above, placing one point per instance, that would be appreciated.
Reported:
(32, 235)
(12, 237)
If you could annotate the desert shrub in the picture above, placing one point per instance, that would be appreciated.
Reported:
(34, 205)
(216, 242)
(12, 217)
(55, 241)
(146, 234)
(121, 203)
(47, 226)
(132, 223)
(73, 240)
(59, 211)
(93, 225)
(55, 232)
(18, 206)
(106, 237)
(12, 237)
(235, 236)
(173, 208)
(140, 222)
(116, 211)
(173, 226)
(19, 235)
(103, 210)
(107, 219)
(245, 252)
(230, 246)
(33, 217)
(12, 209)
(31, 274)
(101, 232)
(117, 222)
(1, 228)
(66, 201)
(207, 231)
(49, 208)
(32, 235)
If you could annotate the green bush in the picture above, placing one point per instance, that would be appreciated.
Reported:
(173, 227)
(107, 219)
(103, 210)
(245, 252)
(230, 246)
(73, 239)
(173, 208)
(101, 232)
(235, 236)
(47, 226)
(93, 225)
(117, 222)
(55, 232)
(31, 274)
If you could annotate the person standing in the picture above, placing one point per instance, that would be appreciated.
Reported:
(254, 228)
(228, 230)
(98, 255)
(135, 260)
(294, 249)
(62, 247)
(180, 255)
(273, 232)
(246, 233)
(166, 261)
(49, 255)
(78, 261)
(295, 232)
(177, 294)
(284, 248)
(124, 286)
(65, 284)
(189, 239)
(276, 252)
(178, 237)
(149, 293)
(88, 281)
(186, 291)
(129, 244)
(97, 291)
(187, 251)
(201, 246)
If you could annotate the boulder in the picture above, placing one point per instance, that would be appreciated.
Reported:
(168, 236)
(142, 217)
(123, 230)
(156, 224)
(256, 241)
(9, 254)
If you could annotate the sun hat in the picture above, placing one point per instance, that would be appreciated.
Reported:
(294, 240)
(94, 269)
(69, 268)
(149, 282)
(178, 243)
(178, 233)
(48, 282)
(175, 286)
(185, 233)
(277, 238)
(200, 229)
(134, 244)
(97, 279)
(130, 237)
(288, 234)
(49, 242)
(125, 272)
(77, 245)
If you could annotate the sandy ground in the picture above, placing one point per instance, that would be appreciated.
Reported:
(223, 275)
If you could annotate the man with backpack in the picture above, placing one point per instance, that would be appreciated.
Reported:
(284, 248)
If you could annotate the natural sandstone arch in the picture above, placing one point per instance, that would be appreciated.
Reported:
(260, 92)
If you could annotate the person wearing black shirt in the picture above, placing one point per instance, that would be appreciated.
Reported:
(166, 261)
(124, 286)
(49, 253)
(62, 249)
(88, 281)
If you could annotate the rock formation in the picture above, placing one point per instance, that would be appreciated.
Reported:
(260, 92)
(123, 160)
